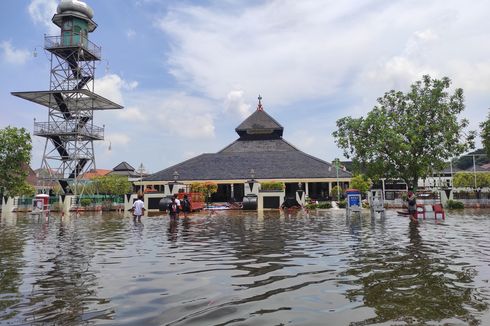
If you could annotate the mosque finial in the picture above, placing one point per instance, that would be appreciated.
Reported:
(259, 106)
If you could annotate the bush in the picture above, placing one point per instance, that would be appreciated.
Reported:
(321, 205)
(272, 185)
(336, 192)
(311, 206)
(85, 202)
(454, 204)
(325, 204)
(342, 204)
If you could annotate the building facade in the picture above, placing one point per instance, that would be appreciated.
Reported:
(260, 154)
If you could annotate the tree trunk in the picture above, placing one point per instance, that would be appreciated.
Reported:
(415, 183)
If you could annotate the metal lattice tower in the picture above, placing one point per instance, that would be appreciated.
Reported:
(71, 99)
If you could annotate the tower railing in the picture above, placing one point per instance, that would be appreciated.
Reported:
(63, 42)
(47, 129)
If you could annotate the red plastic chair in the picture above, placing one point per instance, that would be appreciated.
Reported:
(438, 209)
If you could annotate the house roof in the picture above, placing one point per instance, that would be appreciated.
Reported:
(477, 168)
(264, 145)
(123, 166)
(89, 175)
(237, 165)
(261, 148)
(258, 122)
(31, 175)
(486, 166)
(131, 174)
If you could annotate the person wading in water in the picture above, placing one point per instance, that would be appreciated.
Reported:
(173, 210)
(412, 206)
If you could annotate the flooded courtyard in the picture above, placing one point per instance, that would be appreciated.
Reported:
(245, 268)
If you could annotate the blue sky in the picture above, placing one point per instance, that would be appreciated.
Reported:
(188, 72)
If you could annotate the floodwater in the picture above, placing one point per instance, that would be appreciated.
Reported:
(241, 268)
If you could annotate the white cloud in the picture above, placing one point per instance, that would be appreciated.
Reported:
(13, 55)
(182, 115)
(171, 113)
(290, 51)
(41, 12)
(112, 87)
(235, 104)
(132, 113)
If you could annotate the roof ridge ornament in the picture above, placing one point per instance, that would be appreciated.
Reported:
(259, 106)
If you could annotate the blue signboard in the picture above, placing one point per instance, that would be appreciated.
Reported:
(354, 200)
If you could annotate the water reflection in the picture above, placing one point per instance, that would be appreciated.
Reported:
(239, 268)
(11, 263)
(414, 284)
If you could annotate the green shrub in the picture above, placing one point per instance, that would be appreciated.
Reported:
(272, 185)
(336, 192)
(325, 204)
(85, 202)
(342, 204)
(321, 205)
(454, 204)
(311, 206)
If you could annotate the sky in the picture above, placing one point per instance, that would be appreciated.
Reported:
(189, 72)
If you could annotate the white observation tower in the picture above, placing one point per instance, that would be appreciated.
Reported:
(71, 100)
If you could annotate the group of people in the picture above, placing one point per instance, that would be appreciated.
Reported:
(173, 208)
(176, 206)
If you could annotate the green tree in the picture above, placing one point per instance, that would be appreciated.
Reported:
(361, 183)
(205, 188)
(15, 156)
(471, 180)
(485, 134)
(336, 193)
(408, 135)
(114, 185)
(463, 179)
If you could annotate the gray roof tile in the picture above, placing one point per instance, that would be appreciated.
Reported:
(269, 155)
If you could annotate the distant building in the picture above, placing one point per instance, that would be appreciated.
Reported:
(94, 173)
(125, 169)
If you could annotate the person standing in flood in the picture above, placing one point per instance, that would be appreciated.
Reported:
(177, 201)
(138, 208)
(173, 210)
(186, 206)
(412, 206)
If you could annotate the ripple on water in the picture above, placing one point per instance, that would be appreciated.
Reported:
(240, 268)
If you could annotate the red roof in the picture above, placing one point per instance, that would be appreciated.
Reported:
(95, 173)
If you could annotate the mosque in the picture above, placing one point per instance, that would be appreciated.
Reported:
(260, 154)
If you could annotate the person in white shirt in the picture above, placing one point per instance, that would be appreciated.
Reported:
(138, 208)
(177, 201)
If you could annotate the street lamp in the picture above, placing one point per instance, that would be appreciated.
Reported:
(176, 176)
(141, 168)
(474, 170)
(337, 163)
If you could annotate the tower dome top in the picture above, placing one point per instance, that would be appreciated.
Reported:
(75, 6)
